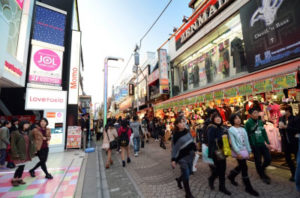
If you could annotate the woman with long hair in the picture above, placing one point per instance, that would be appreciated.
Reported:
(42, 136)
(215, 132)
(183, 152)
(109, 135)
(23, 150)
(124, 134)
(241, 151)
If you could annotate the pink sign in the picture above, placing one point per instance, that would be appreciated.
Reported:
(20, 3)
(43, 79)
(47, 60)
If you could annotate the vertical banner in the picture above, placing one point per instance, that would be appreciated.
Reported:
(163, 71)
(74, 67)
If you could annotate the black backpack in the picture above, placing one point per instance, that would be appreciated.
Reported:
(124, 139)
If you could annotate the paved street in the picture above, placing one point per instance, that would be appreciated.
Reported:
(151, 175)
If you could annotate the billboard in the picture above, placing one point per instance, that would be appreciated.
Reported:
(74, 68)
(49, 24)
(271, 31)
(45, 66)
(163, 71)
(43, 99)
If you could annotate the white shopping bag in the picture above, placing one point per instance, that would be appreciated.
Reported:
(196, 158)
(131, 140)
(205, 157)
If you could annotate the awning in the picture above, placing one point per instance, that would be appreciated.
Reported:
(228, 88)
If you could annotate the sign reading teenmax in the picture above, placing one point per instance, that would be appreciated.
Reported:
(40, 99)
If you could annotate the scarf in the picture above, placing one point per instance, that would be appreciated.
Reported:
(181, 143)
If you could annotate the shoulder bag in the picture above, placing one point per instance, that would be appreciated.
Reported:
(112, 144)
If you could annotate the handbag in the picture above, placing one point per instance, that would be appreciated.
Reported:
(219, 152)
(112, 144)
(244, 153)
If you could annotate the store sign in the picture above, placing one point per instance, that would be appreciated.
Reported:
(131, 89)
(49, 24)
(209, 97)
(246, 89)
(41, 99)
(271, 32)
(163, 71)
(153, 77)
(45, 66)
(218, 95)
(126, 105)
(285, 81)
(74, 69)
(262, 86)
(209, 11)
(230, 93)
(13, 69)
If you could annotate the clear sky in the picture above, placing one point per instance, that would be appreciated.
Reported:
(114, 27)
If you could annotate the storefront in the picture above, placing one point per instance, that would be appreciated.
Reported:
(238, 60)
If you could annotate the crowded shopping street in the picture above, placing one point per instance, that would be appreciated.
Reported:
(149, 99)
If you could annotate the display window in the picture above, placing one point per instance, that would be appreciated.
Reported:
(218, 56)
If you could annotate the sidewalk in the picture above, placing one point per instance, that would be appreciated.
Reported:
(64, 167)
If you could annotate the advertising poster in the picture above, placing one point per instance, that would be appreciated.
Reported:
(55, 120)
(45, 66)
(271, 32)
(74, 137)
(49, 24)
(163, 71)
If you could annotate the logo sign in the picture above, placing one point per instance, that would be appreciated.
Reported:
(74, 70)
(49, 24)
(45, 66)
(46, 60)
(42, 99)
(271, 32)
(131, 89)
(202, 17)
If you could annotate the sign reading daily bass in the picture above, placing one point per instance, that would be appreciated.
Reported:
(271, 31)
(203, 16)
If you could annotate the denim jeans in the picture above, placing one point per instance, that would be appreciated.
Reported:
(258, 152)
(297, 176)
(136, 144)
(2, 156)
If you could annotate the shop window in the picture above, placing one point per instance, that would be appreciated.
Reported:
(12, 13)
(218, 56)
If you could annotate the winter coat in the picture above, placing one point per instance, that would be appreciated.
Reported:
(4, 137)
(38, 137)
(18, 146)
(236, 141)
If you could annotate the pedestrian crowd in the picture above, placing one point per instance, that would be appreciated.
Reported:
(20, 142)
(214, 140)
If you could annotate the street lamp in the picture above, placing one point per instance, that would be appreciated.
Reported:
(108, 58)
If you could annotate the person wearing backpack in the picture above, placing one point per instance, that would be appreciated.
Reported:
(124, 133)
(241, 151)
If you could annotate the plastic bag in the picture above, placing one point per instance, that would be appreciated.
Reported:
(226, 146)
(205, 157)
(196, 158)
(131, 140)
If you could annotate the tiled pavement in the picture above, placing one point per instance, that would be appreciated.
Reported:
(152, 176)
(64, 167)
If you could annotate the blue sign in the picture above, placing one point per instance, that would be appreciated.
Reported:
(49, 26)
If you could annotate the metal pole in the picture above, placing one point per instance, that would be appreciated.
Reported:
(105, 92)
(137, 91)
(170, 78)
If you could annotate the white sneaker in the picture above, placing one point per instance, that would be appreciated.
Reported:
(136, 154)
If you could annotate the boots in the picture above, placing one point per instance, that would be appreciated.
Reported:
(123, 163)
(187, 189)
(179, 180)
(232, 176)
(249, 188)
(222, 187)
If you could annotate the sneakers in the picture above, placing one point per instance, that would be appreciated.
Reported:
(136, 154)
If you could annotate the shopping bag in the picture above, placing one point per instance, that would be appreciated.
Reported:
(131, 140)
(205, 157)
(196, 158)
(226, 146)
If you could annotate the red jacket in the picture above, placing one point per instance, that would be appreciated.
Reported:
(123, 130)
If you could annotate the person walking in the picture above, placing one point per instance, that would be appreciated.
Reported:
(183, 152)
(42, 136)
(145, 128)
(124, 134)
(162, 132)
(241, 151)
(136, 129)
(14, 127)
(23, 150)
(288, 131)
(259, 143)
(216, 152)
(109, 142)
(4, 142)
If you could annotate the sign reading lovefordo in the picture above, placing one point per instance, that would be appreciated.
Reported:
(42, 99)
(45, 66)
